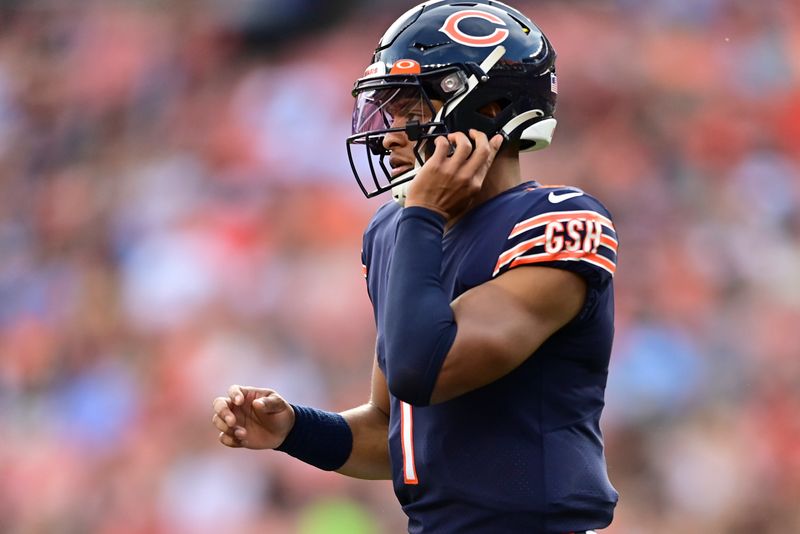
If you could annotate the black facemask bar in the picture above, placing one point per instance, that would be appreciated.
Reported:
(372, 171)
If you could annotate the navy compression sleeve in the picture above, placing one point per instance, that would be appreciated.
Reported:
(420, 327)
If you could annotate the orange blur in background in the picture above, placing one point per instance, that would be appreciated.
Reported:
(177, 214)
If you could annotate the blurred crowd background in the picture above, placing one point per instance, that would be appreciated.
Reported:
(177, 214)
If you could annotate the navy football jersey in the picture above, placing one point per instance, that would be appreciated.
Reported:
(524, 453)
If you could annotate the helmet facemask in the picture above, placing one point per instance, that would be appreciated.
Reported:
(449, 85)
(409, 105)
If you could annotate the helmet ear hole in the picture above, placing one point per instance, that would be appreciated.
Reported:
(494, 108)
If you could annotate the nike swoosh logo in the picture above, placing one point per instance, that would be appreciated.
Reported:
(555, 199)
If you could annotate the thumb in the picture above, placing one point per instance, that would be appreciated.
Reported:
(270, 404)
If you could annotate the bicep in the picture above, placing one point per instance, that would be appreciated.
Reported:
(502, 322)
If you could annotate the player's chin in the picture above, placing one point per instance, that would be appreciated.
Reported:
(399, 171)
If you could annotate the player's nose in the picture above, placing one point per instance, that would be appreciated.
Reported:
(396, 139)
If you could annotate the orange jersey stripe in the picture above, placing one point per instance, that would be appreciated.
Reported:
(545, 218)
(510, 254)
(609, 242)
(602, 261)
(594, 259)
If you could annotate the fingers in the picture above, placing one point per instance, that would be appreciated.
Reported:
(221, 425)
(441, 150)
(235, 434)
(450, 153)
(476, 153)
(241, 395)
(222, 412)
(451, 150)
(463, 147)
(497, 142)
(236, 395)
(483, 154)
(232, 413)
(484, 146)
(229, 441)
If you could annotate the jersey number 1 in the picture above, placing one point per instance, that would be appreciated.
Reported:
(407, 433)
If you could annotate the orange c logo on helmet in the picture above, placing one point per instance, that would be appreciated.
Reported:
(450, 28)
(406, 66)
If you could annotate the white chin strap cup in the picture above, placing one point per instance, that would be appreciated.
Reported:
(536, 136)
(539, 134)
(399, 193)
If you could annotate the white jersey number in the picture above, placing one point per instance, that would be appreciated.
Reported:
(407, 434)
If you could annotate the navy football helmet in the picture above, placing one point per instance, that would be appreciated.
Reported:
(439, 66)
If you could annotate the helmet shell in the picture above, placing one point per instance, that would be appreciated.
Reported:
(421, 34)
(482, 64)
(444, 33)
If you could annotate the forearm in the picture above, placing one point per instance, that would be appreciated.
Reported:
(369, 458)
(420, 326)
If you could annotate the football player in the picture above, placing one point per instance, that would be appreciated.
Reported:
(493, 295)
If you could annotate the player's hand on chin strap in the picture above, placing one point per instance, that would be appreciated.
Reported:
(447, 184)
(254, 418)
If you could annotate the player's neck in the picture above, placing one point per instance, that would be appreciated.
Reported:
(502, 176)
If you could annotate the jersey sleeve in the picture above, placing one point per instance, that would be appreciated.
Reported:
(575, 233)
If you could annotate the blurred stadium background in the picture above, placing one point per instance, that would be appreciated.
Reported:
(177, 214)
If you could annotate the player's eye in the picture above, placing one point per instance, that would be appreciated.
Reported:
(417, 113)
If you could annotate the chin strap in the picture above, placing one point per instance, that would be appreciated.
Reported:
(472, 82)
(399, 191)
